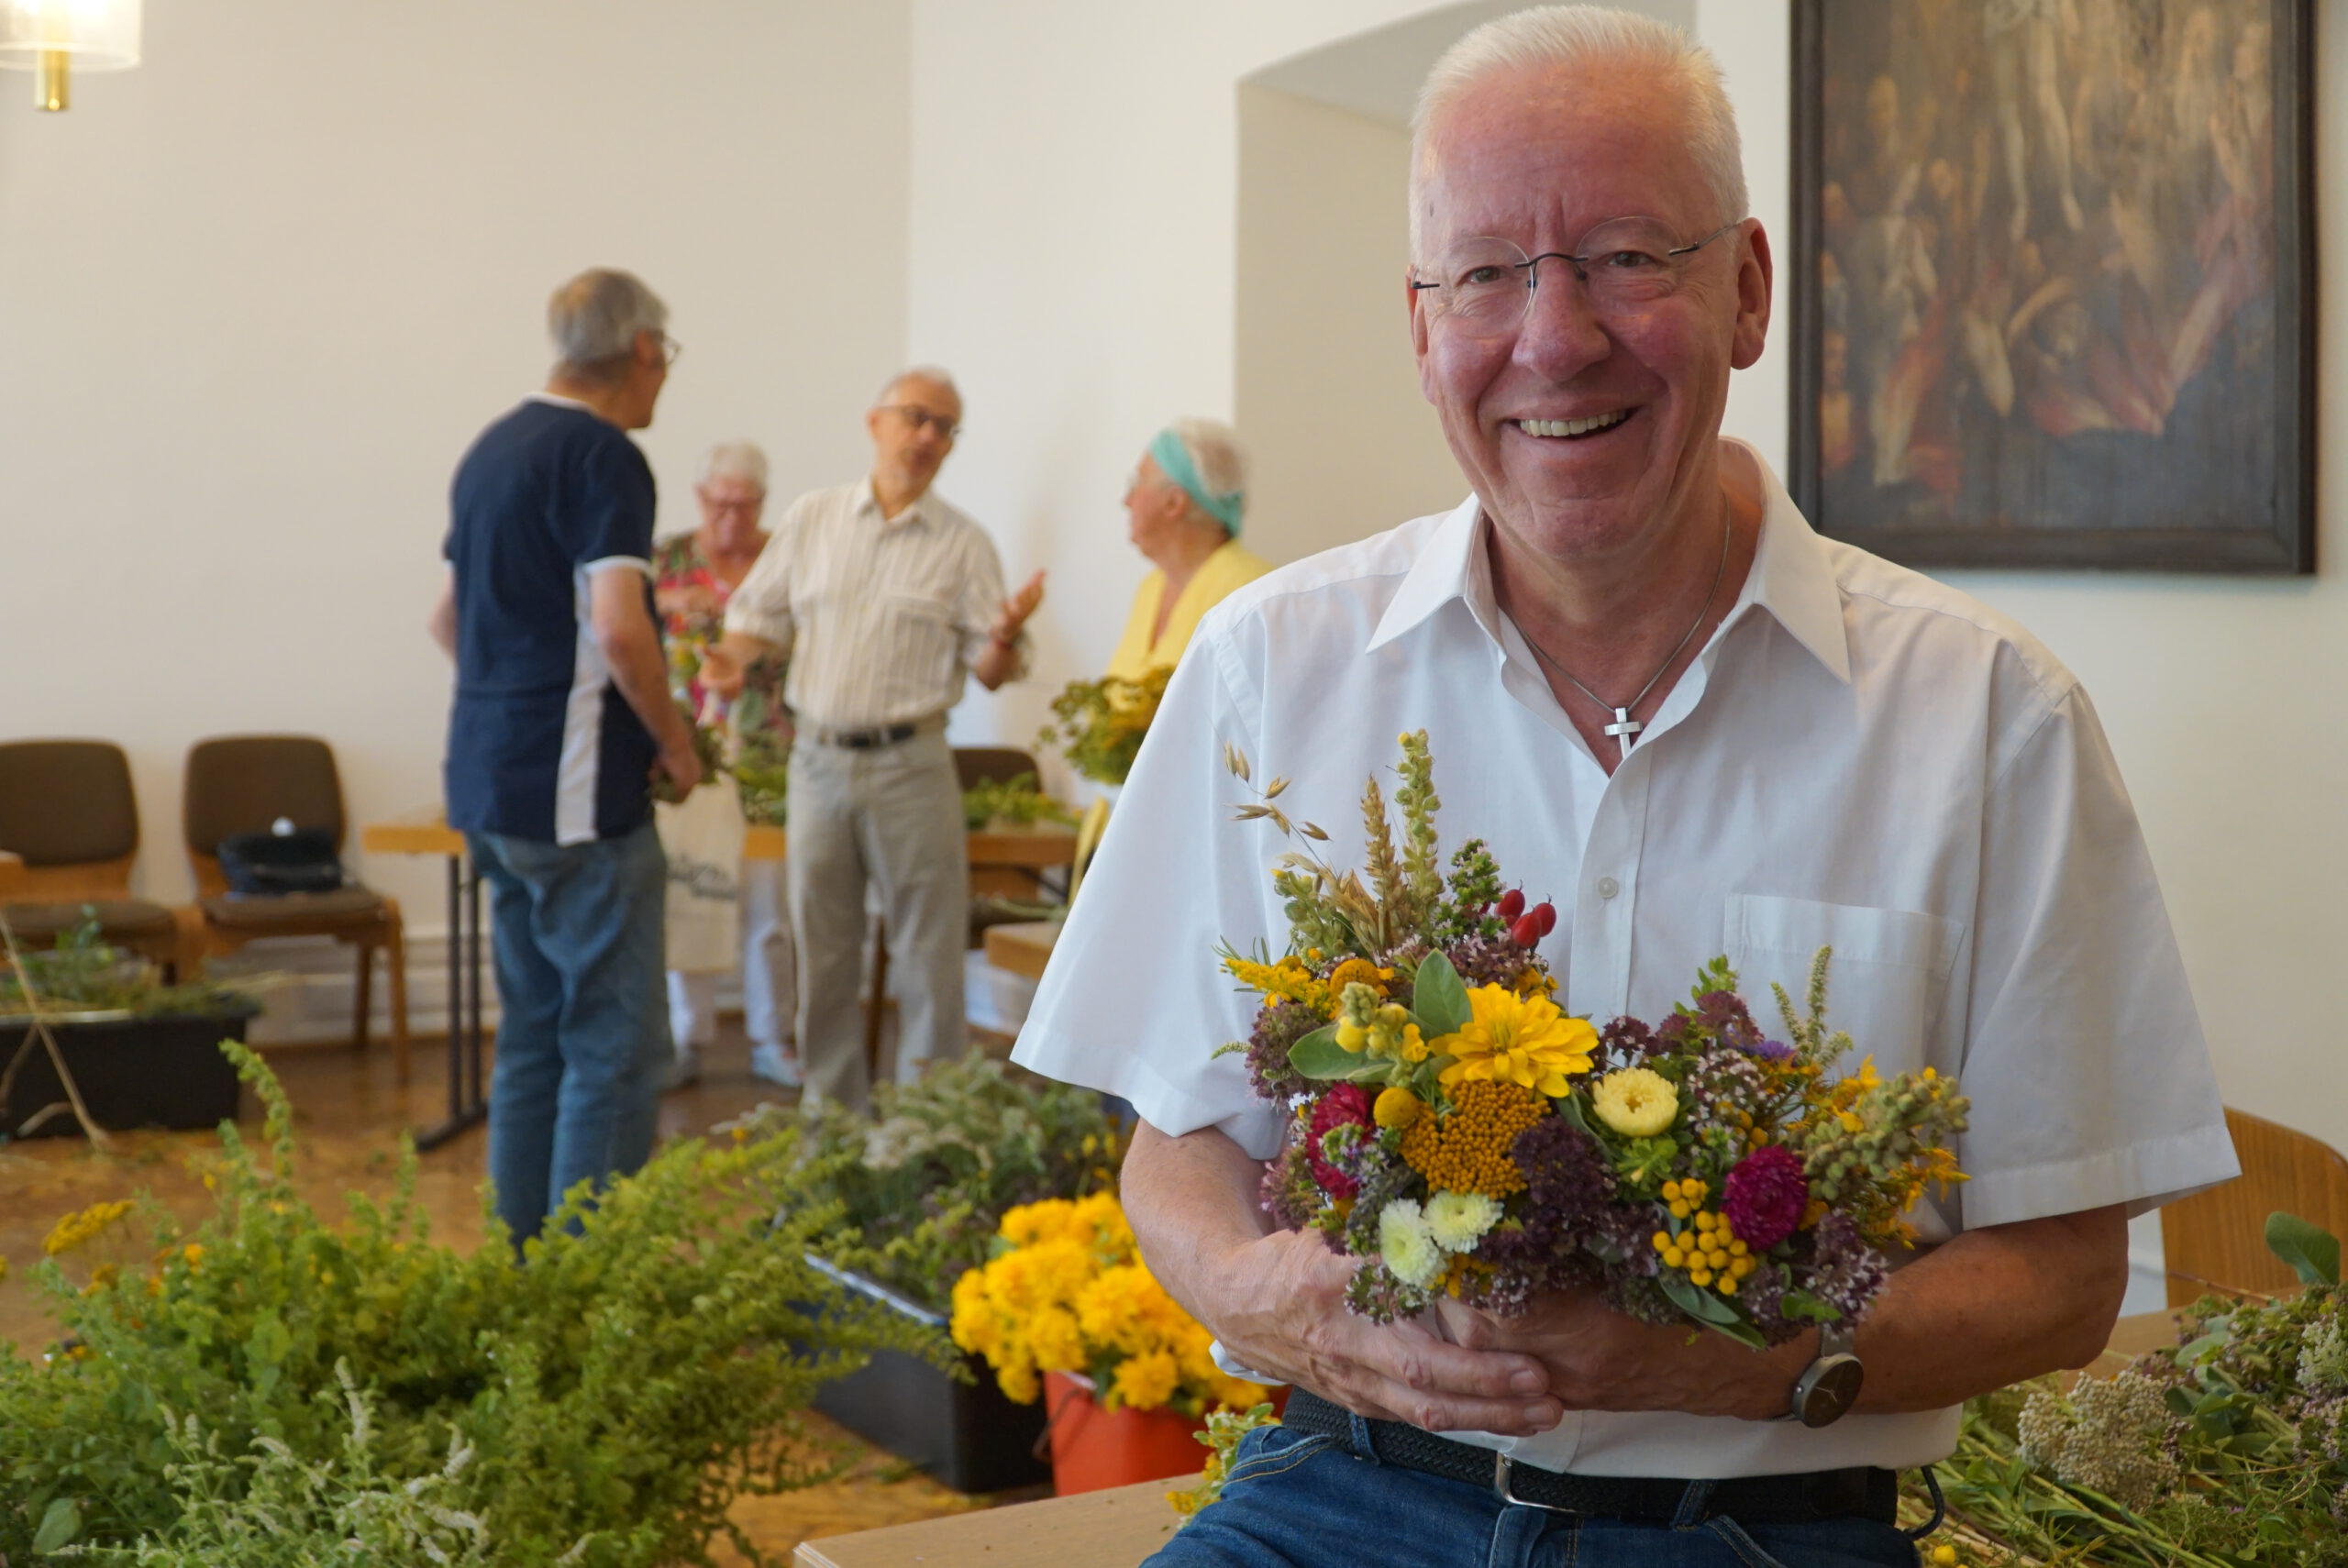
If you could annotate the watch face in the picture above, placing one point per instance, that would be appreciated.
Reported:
(1832, 1392)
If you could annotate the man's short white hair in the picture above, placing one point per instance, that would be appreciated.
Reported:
(1577, 35)
(734, 460)
(930, 373)
(1216, 453)
(595, 319)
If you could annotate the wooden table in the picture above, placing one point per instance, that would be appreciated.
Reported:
(425, 833)
(1118, 1529)
(1023, 947)
(1090, 1530)
(1024, 850)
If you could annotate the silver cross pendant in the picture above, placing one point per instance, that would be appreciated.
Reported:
(1623, 728)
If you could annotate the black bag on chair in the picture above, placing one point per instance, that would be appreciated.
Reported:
(287, 860)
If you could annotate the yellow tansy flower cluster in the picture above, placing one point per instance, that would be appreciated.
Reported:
(1712, 1256)
(1467, 1150)
(1073, 1295)
(84, 1226)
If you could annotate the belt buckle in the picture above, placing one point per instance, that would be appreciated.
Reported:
(1503, 1469)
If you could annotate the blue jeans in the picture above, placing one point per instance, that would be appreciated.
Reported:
(1298, 1500)
(582, 1031)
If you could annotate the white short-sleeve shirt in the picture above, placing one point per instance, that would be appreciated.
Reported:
(1861, 757)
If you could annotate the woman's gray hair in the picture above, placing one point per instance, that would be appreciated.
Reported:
(594, 320)
(734, 460)
(1221, 462)
(1586, 35)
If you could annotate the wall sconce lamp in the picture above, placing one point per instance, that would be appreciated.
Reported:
(54, 37)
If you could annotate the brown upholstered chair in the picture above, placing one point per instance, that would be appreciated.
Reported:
(2216, 1239)
(70, 823)
(244, 784)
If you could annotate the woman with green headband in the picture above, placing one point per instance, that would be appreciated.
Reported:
(1183, 507)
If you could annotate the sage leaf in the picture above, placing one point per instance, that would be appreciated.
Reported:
(2312, 1251)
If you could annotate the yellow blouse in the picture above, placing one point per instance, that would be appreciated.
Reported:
(1229, 568)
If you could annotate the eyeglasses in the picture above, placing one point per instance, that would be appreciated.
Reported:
(1625, 265)
(671, 350)
(919, 417)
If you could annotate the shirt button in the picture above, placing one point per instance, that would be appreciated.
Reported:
(1608, 888)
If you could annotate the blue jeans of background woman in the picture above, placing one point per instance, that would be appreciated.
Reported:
(582, 1031)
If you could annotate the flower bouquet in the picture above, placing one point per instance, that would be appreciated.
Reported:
(1458, 1133)
(1099, 724)
(1066, 1292)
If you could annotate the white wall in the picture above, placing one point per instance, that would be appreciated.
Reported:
(1075, 178)
(257, 295)
(1326, 395)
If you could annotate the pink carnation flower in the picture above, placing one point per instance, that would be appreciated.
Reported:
(1764, 1197)
(1344, 1104)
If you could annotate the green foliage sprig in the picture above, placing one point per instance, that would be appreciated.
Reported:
(618, 1389)
(1017, 801)
(924, 1183)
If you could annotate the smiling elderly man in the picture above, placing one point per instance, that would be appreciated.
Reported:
(1701, 728)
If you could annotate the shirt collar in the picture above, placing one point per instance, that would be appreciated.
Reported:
(866, 500)
(557, 399)
(1791, 578)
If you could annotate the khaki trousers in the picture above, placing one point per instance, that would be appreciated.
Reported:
(891, 816)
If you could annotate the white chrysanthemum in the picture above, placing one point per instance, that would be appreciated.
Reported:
(1458, 1221)
(1403, 1241)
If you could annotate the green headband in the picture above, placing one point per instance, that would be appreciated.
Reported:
(1174, 462)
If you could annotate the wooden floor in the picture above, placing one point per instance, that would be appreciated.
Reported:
(348, 1112)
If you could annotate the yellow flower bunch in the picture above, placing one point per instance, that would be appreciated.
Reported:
(84, 1226)
(1289, 978)
(1070, 1294)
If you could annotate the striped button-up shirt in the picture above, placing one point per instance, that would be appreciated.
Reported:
(882, 617)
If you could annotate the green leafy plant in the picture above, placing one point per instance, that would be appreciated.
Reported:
(1017, 801)
(1099, 724)
(615, 1386)
(1224, 1431)
(761, 772)
(2230, 1448)
(924, 1183)
(83, 973)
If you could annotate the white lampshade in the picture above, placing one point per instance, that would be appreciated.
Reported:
(98, 35)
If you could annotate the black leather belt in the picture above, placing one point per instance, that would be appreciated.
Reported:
(865, 740)
(1862, 1491)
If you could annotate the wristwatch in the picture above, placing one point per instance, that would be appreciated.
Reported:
(1830, 1385)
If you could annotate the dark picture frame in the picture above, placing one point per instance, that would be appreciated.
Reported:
(2115, 370)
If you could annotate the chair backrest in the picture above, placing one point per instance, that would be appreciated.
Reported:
(67, 811)
(2216, 1239)
(244, 783)
(992, 764)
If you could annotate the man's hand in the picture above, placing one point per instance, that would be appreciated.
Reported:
(1017, 608)
(721, 672)
(682, 766)
(1283, 1313)
(1598, 1359)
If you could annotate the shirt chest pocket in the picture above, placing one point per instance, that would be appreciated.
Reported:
(1887, 982)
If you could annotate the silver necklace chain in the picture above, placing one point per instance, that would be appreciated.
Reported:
(1624, 727)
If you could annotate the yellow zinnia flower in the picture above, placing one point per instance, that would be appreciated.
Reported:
(1636, 1102)
(1525, 1041)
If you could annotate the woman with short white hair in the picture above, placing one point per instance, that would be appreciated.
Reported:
(693, 576)
(1183, 508)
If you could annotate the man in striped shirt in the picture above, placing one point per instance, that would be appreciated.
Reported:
(886, 598)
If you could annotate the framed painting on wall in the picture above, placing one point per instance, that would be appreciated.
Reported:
(2053, 281)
